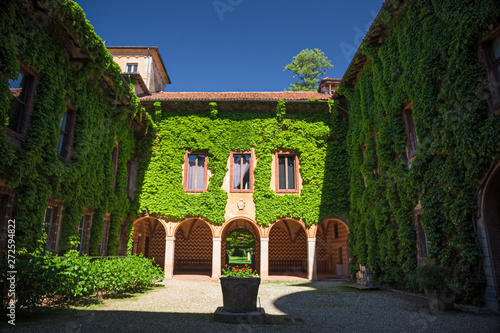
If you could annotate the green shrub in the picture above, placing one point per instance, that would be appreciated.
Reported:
(72, 276)
(433, 277)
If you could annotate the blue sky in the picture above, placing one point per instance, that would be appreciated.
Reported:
(234, 45)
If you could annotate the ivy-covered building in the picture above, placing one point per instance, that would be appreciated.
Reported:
(406, 160)
(423, 98)
(70, 127)
(268, 163)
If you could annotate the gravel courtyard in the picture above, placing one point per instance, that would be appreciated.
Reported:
(325, 306)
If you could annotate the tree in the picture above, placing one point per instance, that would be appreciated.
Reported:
(308, 65)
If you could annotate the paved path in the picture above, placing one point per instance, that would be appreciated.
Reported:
(187, 306)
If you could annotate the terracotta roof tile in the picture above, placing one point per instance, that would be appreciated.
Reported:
(236, 96)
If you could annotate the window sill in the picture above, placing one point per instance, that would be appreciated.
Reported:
(240, 191)
(287, 192)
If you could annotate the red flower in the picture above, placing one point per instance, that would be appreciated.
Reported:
(226, 265)
(246, 265)
(235, 269)
(250, 270)
(243, 269)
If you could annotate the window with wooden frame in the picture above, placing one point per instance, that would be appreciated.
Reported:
(287, 168)
(114, 156)
(84, 232)
(422, 244)
(6, 202)
(52, 218)
(241, 175)
(195, 172)
(21, 105)
(489, 55)
(103, 245)
(131, 68)
(411, 135)
(66, 134)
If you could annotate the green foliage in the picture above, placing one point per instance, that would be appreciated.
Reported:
(213, 110)
(426, 58)
(317, 139)
(41, 278)
(309, 66)
(35, 171)
(240, 239)
(433, 277)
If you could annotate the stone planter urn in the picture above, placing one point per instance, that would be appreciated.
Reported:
(240, 294)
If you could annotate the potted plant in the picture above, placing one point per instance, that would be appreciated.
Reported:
(240, 287)
(434, 280)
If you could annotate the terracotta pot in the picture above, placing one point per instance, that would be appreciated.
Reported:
(239, 294)
(440, 300)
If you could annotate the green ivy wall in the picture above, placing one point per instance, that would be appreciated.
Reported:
(317, 137)
(34, 37)
(429, 57)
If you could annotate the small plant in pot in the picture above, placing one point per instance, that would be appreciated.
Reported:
(438, 289)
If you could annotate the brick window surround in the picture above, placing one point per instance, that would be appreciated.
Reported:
(411, 135)
(84, 231)
(103, 245)
(286, 157)
(422, 247)
(489, 56)
(193, 162)
(6, 203)
(66, 128)
(238, 155)
(52, 219)
(23, 91)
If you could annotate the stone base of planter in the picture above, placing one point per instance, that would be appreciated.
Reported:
(254, 317)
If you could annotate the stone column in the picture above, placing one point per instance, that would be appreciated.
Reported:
(264, 258)
(216, 258)
(169, 257)
(311, 259)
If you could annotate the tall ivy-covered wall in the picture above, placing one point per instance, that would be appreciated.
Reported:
(36, 34)
(317, 138)
(429, 57)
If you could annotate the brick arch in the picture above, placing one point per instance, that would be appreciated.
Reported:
(491, 215)
(331, 247)
(241, 224)
(188, 219)
(288, 248)
(149, 239)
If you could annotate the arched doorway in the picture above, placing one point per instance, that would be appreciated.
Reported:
(193, 248)
(331, 249)
(241, 226)
(149, 239)
(288, 249)
(491, 215)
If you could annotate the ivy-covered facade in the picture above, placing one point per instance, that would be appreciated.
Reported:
(423, 143)
(270, 163)
(407, 164)
(68, 133)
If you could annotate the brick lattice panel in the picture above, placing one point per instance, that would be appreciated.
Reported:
(197, 247)
(285, 255)
(157, 246)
